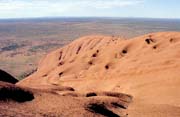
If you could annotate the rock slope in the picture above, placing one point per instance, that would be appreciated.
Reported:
(146, 67)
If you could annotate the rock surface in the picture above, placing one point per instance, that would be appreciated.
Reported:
(96, 73)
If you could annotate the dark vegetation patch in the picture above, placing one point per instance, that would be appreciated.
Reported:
(11, 92)
(91, 94)
(11, 47)
(15, 53)
(4, 76)
(44, 47)
(101, 109)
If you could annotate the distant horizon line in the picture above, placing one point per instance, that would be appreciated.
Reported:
(104, 17)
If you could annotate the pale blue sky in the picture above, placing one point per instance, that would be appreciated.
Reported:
(85, 8)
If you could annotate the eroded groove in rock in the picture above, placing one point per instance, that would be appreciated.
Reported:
(79, 48)
(101, 109)
(91, 94)
(60, 56)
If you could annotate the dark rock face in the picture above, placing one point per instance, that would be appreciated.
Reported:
(11, 92)
(5, 77)
(102, 110)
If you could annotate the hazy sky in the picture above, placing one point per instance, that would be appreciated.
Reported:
(107, 8)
